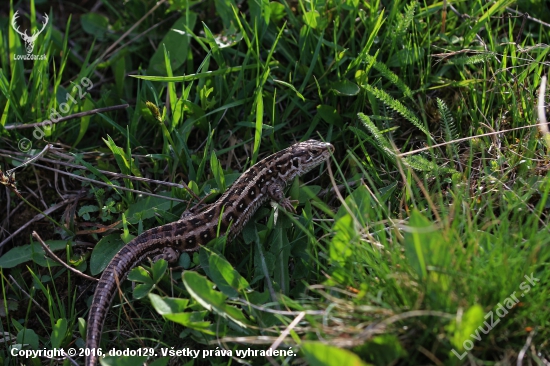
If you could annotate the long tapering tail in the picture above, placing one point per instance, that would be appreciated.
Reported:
(127, 258)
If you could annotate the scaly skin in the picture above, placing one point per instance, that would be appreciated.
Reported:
(264, 181)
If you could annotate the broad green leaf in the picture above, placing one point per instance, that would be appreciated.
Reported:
(415, 249)
(203, 292)
(225, 9)
(176, 42)
(33, 252)
(28, 336)
(313, 19)
(425, 247)
(341, 245)
(173, 310)
(321, 354)
(277, 11)
(82, 327)
(381, 350)
(7, 305)
(329, 114)
(159, 269)
(95, 24)
(345, 87)
(194, 320)
(467, 327)
(140, 274)
(147, 207)
(228, 280)
(168, 305)
(217, 171)
(185, 260)
(104, 251)
(59, 331)
(84, 121)
(119, 71)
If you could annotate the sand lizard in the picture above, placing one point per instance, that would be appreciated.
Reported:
(262, 182)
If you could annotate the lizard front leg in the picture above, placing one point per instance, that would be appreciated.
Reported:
(276, 192)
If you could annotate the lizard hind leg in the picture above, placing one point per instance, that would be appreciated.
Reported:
(169, 254)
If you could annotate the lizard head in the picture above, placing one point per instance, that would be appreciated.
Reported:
(304, 156)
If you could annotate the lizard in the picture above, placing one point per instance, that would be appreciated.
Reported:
(264, 181)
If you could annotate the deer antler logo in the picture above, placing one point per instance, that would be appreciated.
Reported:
(29, 40)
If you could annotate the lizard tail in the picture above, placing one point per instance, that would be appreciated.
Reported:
(127, 258)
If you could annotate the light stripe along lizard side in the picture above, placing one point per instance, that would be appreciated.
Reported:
(262, 182)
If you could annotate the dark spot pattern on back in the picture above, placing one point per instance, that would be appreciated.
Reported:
(273, 172)
(195, 221)
(227, 201)
(182, 230)
(281, 163)
(205, 236)
(190, 242)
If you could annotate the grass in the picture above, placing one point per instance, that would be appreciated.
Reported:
(401, 253)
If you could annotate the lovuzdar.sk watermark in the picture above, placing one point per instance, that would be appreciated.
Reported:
(501, 311)
(29, 40)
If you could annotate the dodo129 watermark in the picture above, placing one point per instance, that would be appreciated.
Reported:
(44, 128)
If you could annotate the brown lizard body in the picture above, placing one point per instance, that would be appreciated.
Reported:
(262, 182)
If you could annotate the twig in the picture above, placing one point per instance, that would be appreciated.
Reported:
(283, 335)
(66, 118)
(468, 138)
(42, 215)
(59, 260)
(29, 296)
(279, 312)
(102, 57)
(35, 157)
(525, 347)
(147, 31)
(106, 172)
(113, 174)
(108, 185)
(528, 17)
(7, 178)
(542, 115)
(339, 187)
(431, 356)
(69, 357)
